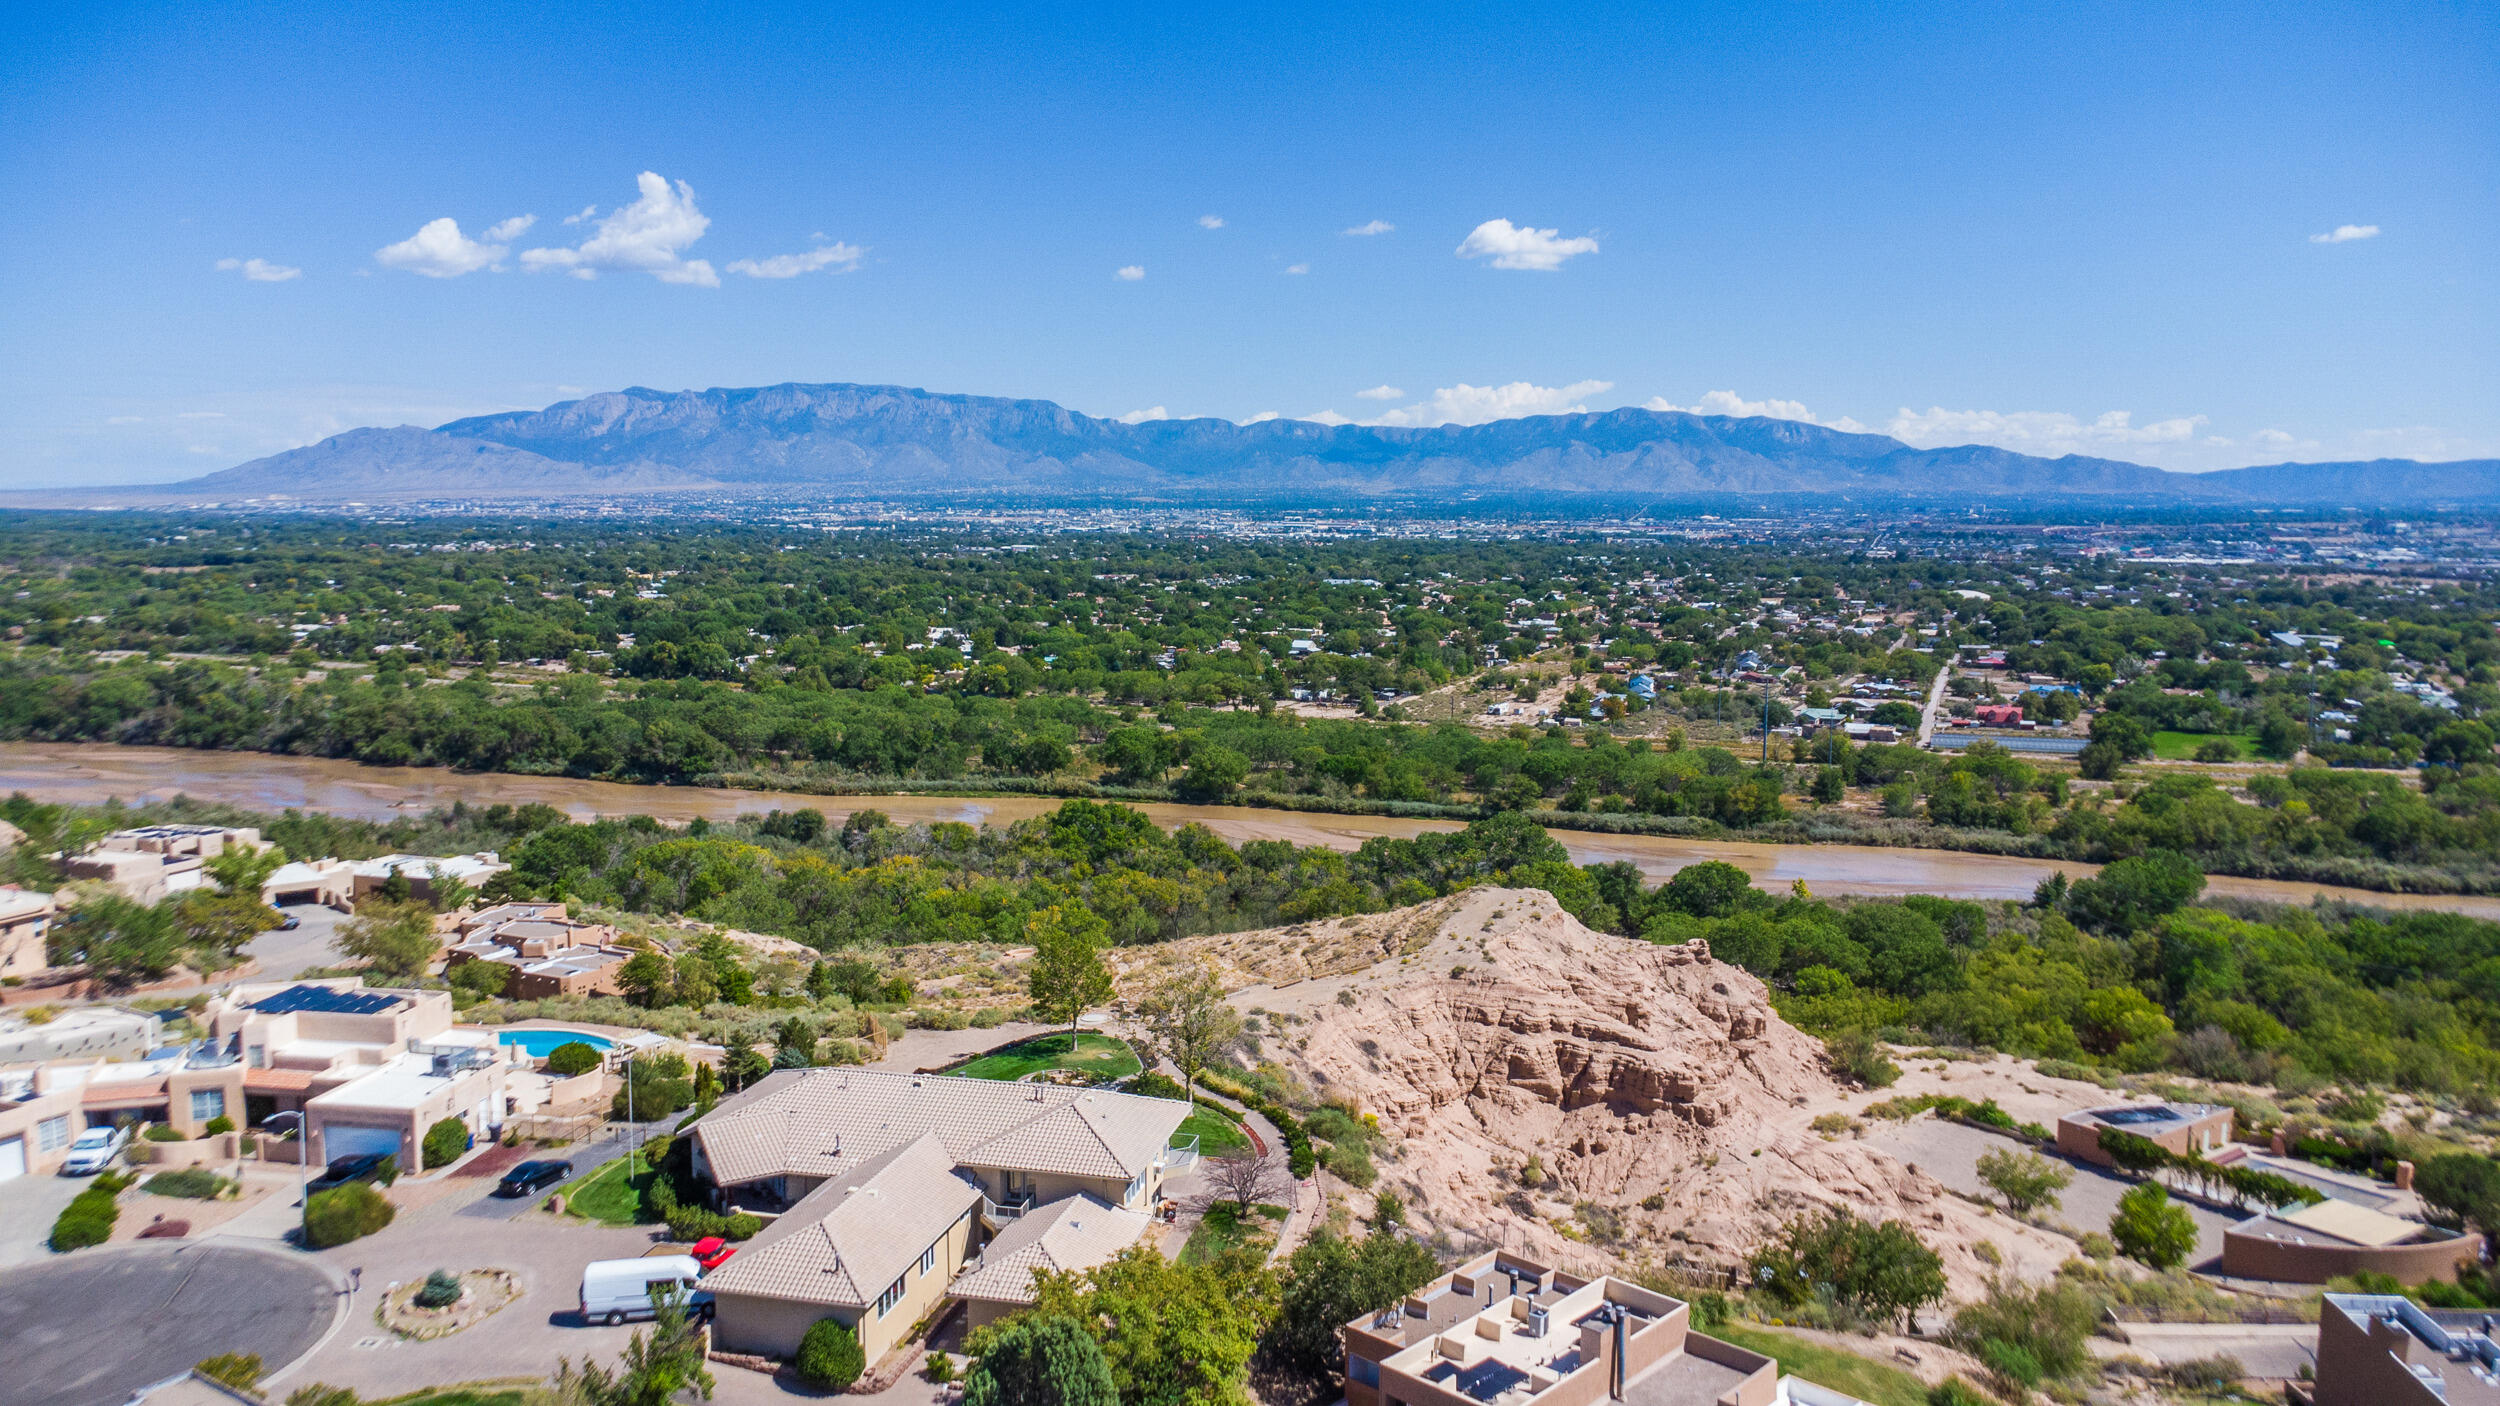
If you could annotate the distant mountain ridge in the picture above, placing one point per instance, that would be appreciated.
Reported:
(899, 443)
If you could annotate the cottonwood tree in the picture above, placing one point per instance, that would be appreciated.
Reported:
(1067, 974)
(1189, 1022)
(395, 940)
(240, 869)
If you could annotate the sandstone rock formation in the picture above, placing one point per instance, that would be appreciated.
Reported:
(1539, 1082)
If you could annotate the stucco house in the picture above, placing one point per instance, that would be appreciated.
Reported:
(886, 1183)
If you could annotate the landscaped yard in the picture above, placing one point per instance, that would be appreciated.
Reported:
(457, 1396)
(1861, 1377)
(2181, 746)
(1097, 1055)
(1223, 1228)
(1216, 1134)
(616, 1194)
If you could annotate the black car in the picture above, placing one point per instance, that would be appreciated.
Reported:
(363, 1167)
(532, 1176)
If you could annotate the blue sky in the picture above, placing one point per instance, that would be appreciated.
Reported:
(2103, 229)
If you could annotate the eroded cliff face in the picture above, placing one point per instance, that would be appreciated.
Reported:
(1541, 1082)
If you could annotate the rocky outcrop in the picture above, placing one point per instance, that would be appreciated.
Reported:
(1544, 1083)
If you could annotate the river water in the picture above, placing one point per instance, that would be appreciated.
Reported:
(90, 773)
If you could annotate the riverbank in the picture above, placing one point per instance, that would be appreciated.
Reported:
(92, 773)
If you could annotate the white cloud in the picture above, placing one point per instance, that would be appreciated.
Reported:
(2275, 439)
(1517, 247)
(588, 213)
(1297, 268)
(2345, 234)
(1130, 273)
(2045, 432)
(259, 270)
(1151, 412)
(1731, 404)
(1327, 417)
(505, 231)
(1475, 405)
(649, 236)
(1210, 222)
(841, 258)
(1371, 227)
(1379, 393)
(440, 250)
(1263, 417)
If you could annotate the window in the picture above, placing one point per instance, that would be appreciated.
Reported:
(1362, 1370)
(52, 1134)
(207, 1104)
(887, 1300)
(928, 1260)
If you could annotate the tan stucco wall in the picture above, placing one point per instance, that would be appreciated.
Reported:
(752, 1323)
(2260, 1257)
(2365, 1366)
(24, 1119)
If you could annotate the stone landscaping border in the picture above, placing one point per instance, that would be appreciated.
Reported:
(483, 1293)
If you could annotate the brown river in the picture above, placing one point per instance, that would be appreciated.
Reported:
(90, 773)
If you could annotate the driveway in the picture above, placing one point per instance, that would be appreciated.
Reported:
(28, 1206)
(282, 954)
(1950, 1153)
(92, 1326)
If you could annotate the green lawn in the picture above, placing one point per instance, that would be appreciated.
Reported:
(1861, 1377)
(1097, 1055)
(615, 1194)
(1222, 1229)
(2181, 746)
(1217, 1135)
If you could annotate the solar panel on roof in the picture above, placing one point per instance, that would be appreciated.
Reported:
(325, 1000)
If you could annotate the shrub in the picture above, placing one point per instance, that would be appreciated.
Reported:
(345, 1213)
(445, 1141)
(192, 1183)
(164, 1132)
(321, 1394)
(695, 1223)
(440, 1290)
(2205, 1373)
(88, 1218)
(2026, 1180)
(1041, 1360)
(387, 1171)
(1351, 1164)
(571, 1058)
(1952, 1391)
(219, 1124)
(236, 1369)
(940, 1368)
(829, 1356)
(2149, 1229)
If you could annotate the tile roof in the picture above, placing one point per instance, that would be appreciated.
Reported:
(824, 1122)
(844, 1242)
(1074, 1232)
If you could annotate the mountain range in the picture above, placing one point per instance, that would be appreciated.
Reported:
(890, 442)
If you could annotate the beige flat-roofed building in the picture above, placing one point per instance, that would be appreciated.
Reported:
(25, 922)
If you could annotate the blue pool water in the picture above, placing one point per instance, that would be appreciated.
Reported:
(538, 1043)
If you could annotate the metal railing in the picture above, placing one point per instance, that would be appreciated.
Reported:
(1002, 1212)
(1182, 1154)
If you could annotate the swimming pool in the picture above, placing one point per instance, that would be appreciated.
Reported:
(539, 1043)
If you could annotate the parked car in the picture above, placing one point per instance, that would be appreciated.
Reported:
(532, 1176)
(94, 1151)
(362, 1167)
(615, 1290)
(710, 1251)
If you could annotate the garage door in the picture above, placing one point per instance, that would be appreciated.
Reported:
(12, 1158)
(349, 1140)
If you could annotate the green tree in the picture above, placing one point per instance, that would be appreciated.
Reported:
(480, 980)
(573, 1057)
(395, 940)
(655, 1371)
(1067, 975)
(744, 1066)
(1879, 1270)
(1331, 1281)
(646, 977)
(1177, 1334)
(1214, 773)
(2026, 1180)
(829, 1356)
(122, 943)
(2130, 894)
(1040, 1360)
(2152, 1231)
(1711, 889)
(242, 869)
(1189, 1022)
(2464, 1186)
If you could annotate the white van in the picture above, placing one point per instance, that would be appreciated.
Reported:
(615, 1290)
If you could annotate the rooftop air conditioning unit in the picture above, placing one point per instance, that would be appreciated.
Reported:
(1538, 1321)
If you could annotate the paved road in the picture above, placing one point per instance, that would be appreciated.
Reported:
(1950, 1153)
(90, 1327)
(1935, 700)
(586, 1158)
(28, 1206)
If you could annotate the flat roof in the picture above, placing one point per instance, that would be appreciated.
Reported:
(326, 1000)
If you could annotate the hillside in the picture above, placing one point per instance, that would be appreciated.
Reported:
(1490, 1029)
(893, 442)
